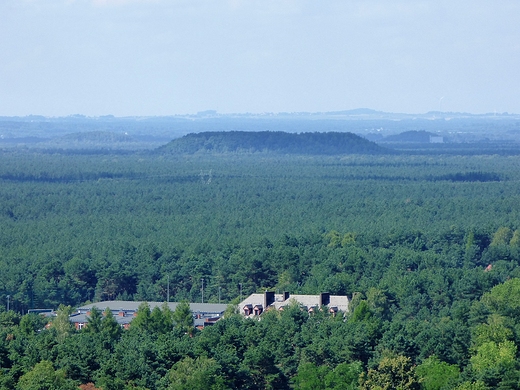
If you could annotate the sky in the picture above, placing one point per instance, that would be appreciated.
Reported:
(170, 57)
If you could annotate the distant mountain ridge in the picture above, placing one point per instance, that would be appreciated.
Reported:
(330, 143)
(150, 132)
(356, 113)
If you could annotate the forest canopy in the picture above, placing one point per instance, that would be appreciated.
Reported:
(426, 247)
(328, 143)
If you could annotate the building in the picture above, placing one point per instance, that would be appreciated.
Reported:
(256, 304)
(436, 139)
(47, 313)
(125, 311)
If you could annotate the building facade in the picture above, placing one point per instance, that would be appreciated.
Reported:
(255, 304)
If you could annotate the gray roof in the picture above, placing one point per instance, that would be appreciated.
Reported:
(83, 319)
(131, 306)
(201, 311)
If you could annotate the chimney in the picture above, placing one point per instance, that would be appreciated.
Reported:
(286, 295)
(324, 299)
(268, 299)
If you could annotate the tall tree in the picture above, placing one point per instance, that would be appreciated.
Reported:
(183, 317)
(435, 374)
(396, 372)
(62, 324)
(94, 321)
(44, 377)
(110, 327)
(196, 374)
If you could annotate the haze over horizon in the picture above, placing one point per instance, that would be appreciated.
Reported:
(177, 57)
(359, 113)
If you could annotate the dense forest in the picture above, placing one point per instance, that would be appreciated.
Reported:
(426, 246)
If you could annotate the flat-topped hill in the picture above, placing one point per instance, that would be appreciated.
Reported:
(272, 141)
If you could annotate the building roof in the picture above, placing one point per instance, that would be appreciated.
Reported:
(340, 302)
(202, 312)
(83, 319)
(132, 306)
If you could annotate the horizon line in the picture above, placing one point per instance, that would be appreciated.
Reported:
(357, 112)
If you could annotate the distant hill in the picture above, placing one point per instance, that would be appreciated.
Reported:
(272, 141)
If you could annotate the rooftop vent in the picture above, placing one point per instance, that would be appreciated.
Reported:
(268, 298)
(324, 299)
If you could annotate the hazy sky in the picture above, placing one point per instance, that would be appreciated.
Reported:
(165, 57)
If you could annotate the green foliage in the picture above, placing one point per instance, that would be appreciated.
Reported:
(109, 326)
(334, 239)
(344, 376)
(348, 239)
(161, 320)
(362, 312)
(378, 303)
(81, 356)
(183, 317)
(135, 360)
(143, 320)
(515, 239)
(478, 385)
(130, 205)
(9, 319)
(434, 374)
(410, 246)
(196, 374)
(502, 236)
(497, 330)
(492, 355)
(62, 324)
(260, 367)
(31, 323)
(310, 377)
(44, 377)
(94, 321)
(504, 298)
(391, 373)
(164, 321)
